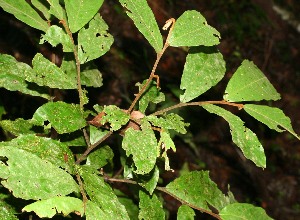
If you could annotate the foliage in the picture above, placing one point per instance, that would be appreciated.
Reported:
(44, 170)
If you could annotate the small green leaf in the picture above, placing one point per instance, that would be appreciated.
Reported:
(49, 207)
(204, 68)
(272, 117)
(96, 134)
(166, 140)
(56, 9)
(100, 157)
(150, 207)
(13, 75)
(40, 5)
(150, 180)
(248, 83)
(152, 94)
(30, 177)
(102, 196)
(94, 41)
(56, 35)
(242, 136)
(144, 20)
(63, 117)
(197, 189)
(24, 12)
(191, 29)
(80, 12)
(243, 211)
(17, 127)
(45, 148)
(48, 74)
(115, 116)
(169, 121)
(185, 213)
(142, 145)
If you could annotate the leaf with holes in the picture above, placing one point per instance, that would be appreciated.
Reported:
(248, 83)
(204, 68)
(24, 12)
(30, 177)
(63, 117)
(94, 41)
(115, 116)
(144, 20)
(150, 207)
(191, 29)
(49, 207)
(80, 12)
(242, 136)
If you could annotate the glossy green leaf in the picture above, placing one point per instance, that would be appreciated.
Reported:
(204, 68)
(115, 116)
(191, 29)
(13, 75)
(169, 121)
(31, 177)
(80, 12)
(17, 127)
(49, 207)
(248, 83)
(150, 207)
(242, 136)
(143, 18)
(142, 145)
(185, 213)
(63, 117)
(24, 12)
(274, 118)
(90, 75)
(48, 74)
(41, 6)
(100, 157)
(102, 196)
(94, 41)
(149, 181)
(152, 94)
(199, 190)
(243, 211)
(56, 35)
(46, 149)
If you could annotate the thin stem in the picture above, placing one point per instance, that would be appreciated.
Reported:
(223, 102)
(85, 199)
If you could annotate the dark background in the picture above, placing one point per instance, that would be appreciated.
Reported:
(249, 30)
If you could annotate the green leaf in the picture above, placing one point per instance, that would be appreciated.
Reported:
(152, 94)
(242, 136)
(94, 41)
(94, 212)
(243, 211)
(185, 213)
(96, 134)
(7, 211)
(102, 196)
(204, 68)
(144, 20)
(80, 12)
(24, 12)
(46, 149)
(150, 180)
(191, 29)
(90, 75)
(17, 127)
(63, 117)
(166, 143)
(31, 177)
(131, 207)
(142, 145)
(197, 189)
(248, 83)
(169, 121)
(56, 35)
(13, 74)
(48, 74)
(115, 116)
(56, 9)
(40, 5)
(272, 117)
(100, 157)
(150, 207)
(49, 207)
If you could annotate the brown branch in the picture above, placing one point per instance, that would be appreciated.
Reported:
(82, 191)
(223, 102)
